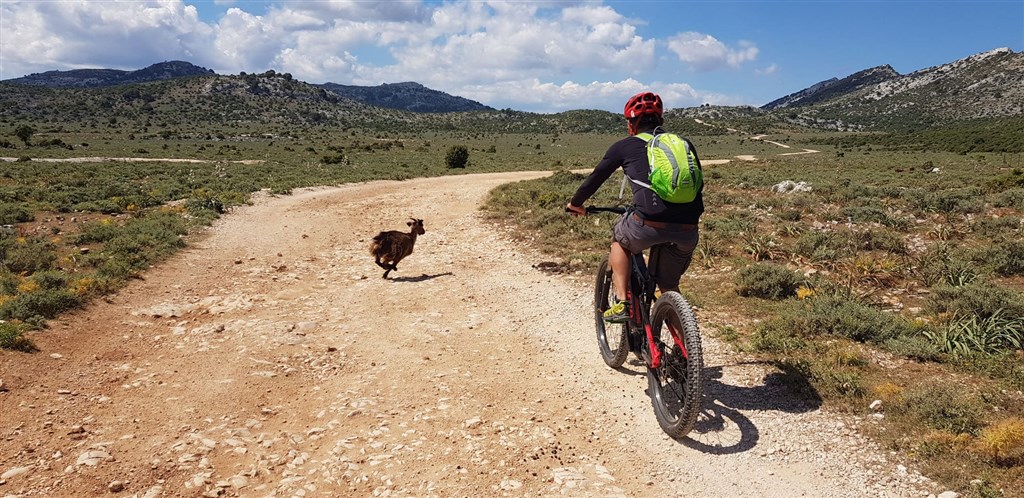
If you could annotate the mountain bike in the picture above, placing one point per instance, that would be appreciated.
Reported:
(674, 360)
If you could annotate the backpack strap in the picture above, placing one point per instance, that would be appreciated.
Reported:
(646, 137)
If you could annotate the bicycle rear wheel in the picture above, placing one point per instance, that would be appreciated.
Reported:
(676, 385)
(610, 337)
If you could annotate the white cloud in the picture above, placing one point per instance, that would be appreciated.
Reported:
(768, 70)
(611, 95)
(39, 36)
(526, 55)
(360, 10)
(706, 53)
(501, 41)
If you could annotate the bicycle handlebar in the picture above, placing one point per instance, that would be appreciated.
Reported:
(602, 209)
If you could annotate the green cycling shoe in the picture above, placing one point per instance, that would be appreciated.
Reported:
(617, 313)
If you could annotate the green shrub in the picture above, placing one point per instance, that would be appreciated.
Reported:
(133, 247)
(880, 239)
(949, 202)
(943, 407)
(837, 382)
(12, 337)
(204, 200)
(8, 283)
(797, 375)
(50, 279)
(838, 315)
(823, 247)
(333, 159)
(983, 299)
(864, 214)
(914, 346)
(732, 225)
(33, 255)
(11, 213)
(995, 227)
(773, 337)
(456, 157)
(32, 306)
(790, 215)
(97, 232)
(1012, 198)
(768, 281)
(1007, 257)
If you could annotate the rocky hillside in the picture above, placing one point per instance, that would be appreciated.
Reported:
(264, 103)
(985, 85)
(91, 78)
(409, 96)
(835, 87)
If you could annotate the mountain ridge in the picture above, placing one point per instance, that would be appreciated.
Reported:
(409, 96)
(985, 85)
(91, 78)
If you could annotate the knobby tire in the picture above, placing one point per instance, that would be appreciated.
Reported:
(676, 385)
(611, 337)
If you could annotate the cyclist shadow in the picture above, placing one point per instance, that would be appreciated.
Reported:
(421, 277)
(723, 429)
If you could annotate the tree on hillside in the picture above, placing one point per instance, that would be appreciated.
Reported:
(457, 156)
(24, 132)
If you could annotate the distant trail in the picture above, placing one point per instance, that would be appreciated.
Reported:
(761, 137)
(747, 157)
(128, 160)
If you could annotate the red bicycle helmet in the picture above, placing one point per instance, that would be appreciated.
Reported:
(643, 103)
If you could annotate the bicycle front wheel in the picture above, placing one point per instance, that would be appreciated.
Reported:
(676, 385)
(611, 338)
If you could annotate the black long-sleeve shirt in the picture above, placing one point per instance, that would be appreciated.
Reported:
(631, 155)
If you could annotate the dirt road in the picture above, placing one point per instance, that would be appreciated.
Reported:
(270, 359)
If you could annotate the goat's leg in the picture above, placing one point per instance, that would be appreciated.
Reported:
(381, 264)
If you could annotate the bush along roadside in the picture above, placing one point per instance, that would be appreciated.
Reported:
(42, 276)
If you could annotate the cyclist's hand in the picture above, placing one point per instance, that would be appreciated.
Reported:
(575, 210)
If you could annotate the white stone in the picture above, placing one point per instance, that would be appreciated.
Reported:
(153, 492)
(93, 458)
(16, 471)
(508, 484)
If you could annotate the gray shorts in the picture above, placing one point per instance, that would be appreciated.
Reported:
(675, 255)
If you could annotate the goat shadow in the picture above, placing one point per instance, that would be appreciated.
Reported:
(420, 278)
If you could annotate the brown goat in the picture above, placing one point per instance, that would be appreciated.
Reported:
(390, 247)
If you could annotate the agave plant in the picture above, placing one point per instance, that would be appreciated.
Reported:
(966, 335)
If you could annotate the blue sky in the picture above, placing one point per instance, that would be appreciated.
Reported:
(544, 56)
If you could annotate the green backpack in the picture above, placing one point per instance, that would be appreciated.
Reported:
(675, 175)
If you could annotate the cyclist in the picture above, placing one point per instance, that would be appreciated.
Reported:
(651, 220)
